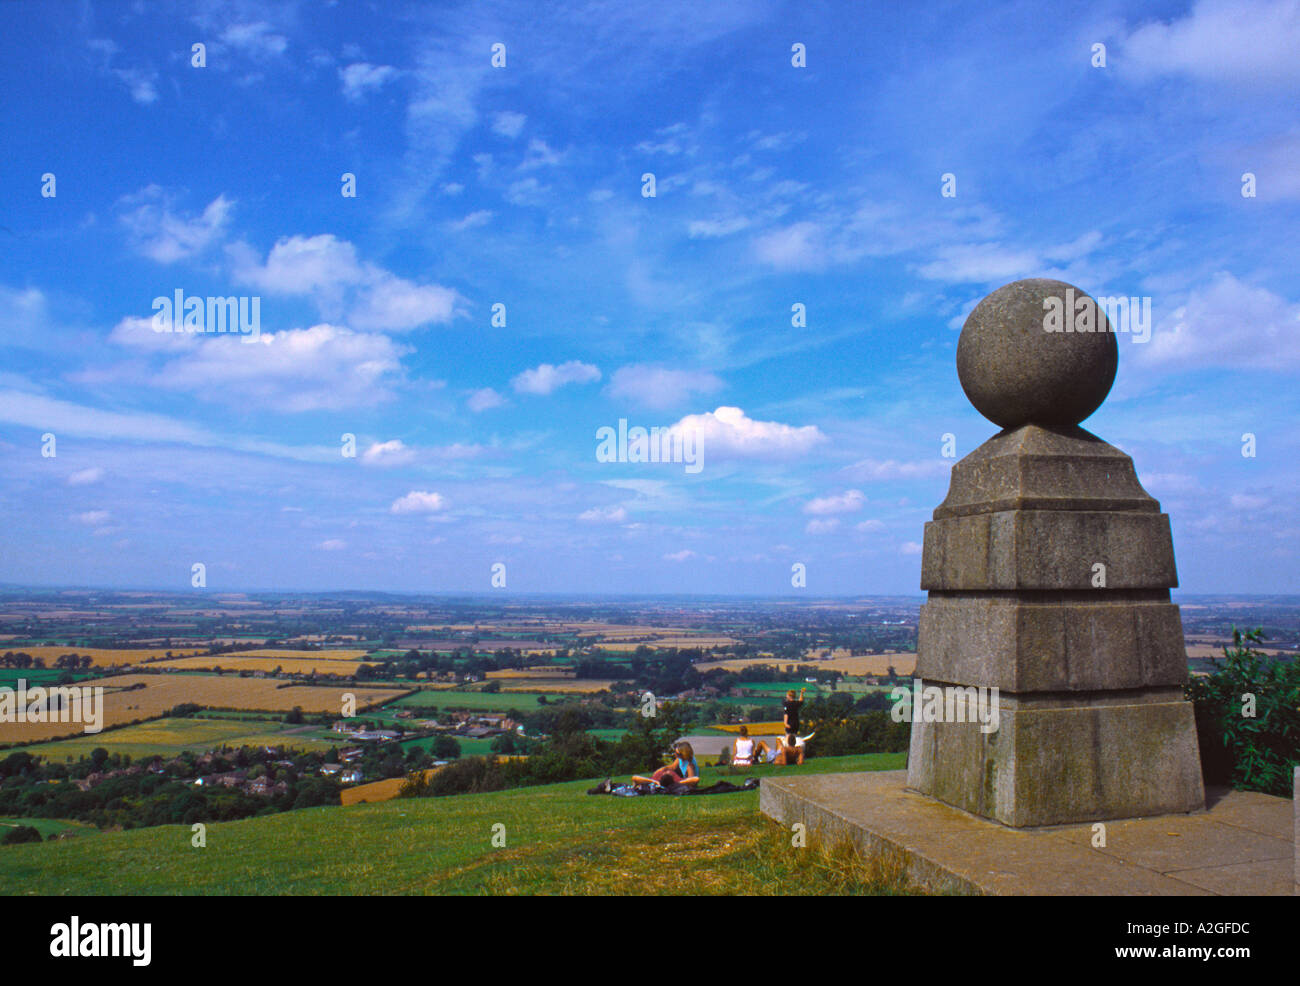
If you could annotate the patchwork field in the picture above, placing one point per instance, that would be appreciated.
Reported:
(169, 737)
(103, 657)
(246, 662)
(474, 701)
(902, 662)
(575, 686)
(123, 704)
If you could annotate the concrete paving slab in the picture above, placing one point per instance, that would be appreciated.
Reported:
(951, 850)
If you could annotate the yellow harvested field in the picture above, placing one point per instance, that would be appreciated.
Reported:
(682, 643)
(313, 655)
(755, 728)
(1216, 650)
(542, 672)
(903, 663)
(375, 791)
(242, 662)
(581, 686)
(105, 657)
(124, 703)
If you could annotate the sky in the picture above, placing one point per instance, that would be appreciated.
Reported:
(440, 214)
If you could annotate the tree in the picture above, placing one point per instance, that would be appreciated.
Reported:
(445, 748)
(20, 833)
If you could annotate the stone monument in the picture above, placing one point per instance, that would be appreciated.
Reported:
(1048, 569)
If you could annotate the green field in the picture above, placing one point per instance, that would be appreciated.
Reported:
(9, 677)
(558, 841)
(168, 737)
(449, 699)
(469, 746)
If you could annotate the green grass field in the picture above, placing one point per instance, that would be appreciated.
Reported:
(9, 677)
(558, 841)
(168, 737)
(469, 746)
(478, 701)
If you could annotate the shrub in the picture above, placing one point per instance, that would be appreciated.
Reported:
(21, 833)
(1252, 753)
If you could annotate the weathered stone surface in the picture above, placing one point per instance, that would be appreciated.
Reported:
(1047, 642)
(1016, 372)
(1217, 851)
(1048, 549)
(1035, 468)
(1057, 760)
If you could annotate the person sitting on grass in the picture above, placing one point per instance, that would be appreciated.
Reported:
(747, 751)
(789, 752)
(683, 770)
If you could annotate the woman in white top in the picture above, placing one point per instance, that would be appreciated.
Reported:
(742, 750)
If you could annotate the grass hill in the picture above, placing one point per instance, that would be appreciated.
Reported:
(558, 840)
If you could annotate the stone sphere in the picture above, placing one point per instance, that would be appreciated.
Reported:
(1030, 354)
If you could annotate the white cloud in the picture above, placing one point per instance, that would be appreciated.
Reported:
(660, 388)
(603, 515)
(680, 555)
(327, 269)
(92, 517)
(418, 502)
(910, 548)
(1228, 323)
(141, 83)
(508, 124)
(878, 469)
(1248, 501)
(728, 430)
(703, 229)
(323, 367)
(333, 544)
(796, 247)
(849, 501)
(822, 525)
(870, 526)
(545, 379)
(390, 453)
(484, 399)
(475, 219)
(162, 235)
(256, 39)
(85, 476)
(1222, 41)
(361, 78)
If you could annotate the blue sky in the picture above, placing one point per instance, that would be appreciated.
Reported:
(521, 185)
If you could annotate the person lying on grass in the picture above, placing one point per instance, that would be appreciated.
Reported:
(788, 752)
(683, 769)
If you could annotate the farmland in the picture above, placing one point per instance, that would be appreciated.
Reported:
(474, 701)
(247, 662)
(141, 696)
(101, 657)
(168, 737)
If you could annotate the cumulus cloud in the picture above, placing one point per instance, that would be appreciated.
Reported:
(545, 379)
(85, 476)
(323, 367)
(659, 388)
(257, 39)
(333, 544)
(328, 270)
(1219, 41)
(508, 124)
(91, 517)
(680, 555)
(728, 430)
(361, 78)
(796, 247)
(390, 453)
(824, 525)
(484, 399)
(418, 502)
(1227, 323)
(167, 236)
(849, 501)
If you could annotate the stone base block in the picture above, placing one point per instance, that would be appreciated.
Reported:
(1060, 759)
(1050, 642)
